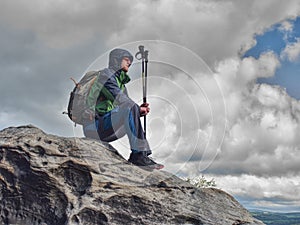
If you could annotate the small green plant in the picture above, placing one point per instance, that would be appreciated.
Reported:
(201, 182)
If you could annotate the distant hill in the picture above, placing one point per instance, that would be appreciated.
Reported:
(271, 218)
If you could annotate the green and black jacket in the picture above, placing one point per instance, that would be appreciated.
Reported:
(109, 91)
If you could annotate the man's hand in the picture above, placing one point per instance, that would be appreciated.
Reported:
(144, 109)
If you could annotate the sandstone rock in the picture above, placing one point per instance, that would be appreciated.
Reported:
(51, 180)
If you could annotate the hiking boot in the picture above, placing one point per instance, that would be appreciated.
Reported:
(142, 160)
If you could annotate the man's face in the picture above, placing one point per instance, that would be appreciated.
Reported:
(125, 64)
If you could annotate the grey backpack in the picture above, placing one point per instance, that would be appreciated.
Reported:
(78, 109)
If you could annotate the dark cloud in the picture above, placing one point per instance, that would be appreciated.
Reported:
(35, 82)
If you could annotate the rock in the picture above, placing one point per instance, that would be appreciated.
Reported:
(51, 180)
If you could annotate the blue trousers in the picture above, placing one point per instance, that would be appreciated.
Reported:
(119, 122)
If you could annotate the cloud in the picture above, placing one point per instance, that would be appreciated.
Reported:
(268, 192)
(192, 24)
(263, 121)
(291, 51)
(262, 187)
(237, 77)
(35, 82)
(63, 24)
(259, 117)
(286, 26)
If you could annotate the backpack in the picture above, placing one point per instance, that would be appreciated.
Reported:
(78, 109)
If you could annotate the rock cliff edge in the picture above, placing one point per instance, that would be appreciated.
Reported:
(51, 180)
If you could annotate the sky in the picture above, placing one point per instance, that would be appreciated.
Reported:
(223, 82)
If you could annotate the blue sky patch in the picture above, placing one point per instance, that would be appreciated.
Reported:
(275, 39)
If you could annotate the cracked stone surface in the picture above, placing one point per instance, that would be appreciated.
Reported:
(51, 180)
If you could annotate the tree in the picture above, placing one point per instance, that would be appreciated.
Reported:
(201, 182)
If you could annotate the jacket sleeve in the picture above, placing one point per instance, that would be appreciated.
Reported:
(110, 83)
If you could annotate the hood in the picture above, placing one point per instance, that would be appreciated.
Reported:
(116, 56)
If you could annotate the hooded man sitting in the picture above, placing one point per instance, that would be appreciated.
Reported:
(116, 113)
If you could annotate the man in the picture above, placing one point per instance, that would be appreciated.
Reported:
(116, 113)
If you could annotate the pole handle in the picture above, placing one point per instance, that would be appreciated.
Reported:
(141, 52)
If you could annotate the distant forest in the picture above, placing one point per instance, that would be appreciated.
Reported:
(270, 218)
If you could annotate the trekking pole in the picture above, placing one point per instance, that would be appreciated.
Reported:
(145, 86)
(144, 58)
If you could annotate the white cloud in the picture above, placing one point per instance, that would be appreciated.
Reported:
(291, 51)
(276, 192)
(262, 122)
(271, 96)
(268, 120)
(213, 29)
(237, 78)
(286, 26)
(287, 187)
(250, 69)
